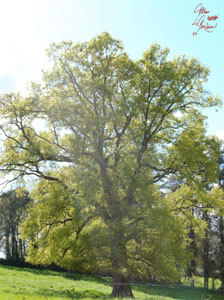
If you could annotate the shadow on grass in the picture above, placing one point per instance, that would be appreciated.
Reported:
(68, 275)
(68, 294)
(175, 292)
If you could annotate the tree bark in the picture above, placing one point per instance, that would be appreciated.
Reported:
(121, 287)
(192, 268)
(206, 252)
(221, 236)
(7, 244)
(21, 256)
(121, 284)
(13, 244)
(222, 283)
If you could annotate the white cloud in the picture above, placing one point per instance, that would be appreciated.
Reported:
(22, 51)
(27, 27)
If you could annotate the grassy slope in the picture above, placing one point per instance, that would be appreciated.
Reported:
(21, 284)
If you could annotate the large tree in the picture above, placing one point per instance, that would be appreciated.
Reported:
(105, 131)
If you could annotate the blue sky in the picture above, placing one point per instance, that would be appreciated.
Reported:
(28, 26)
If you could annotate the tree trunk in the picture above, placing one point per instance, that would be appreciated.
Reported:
(121, 284)
(192, 268)
(24, 249)
(7, 244)
(222, 284)
(206, 278)
(121, 287)
(206, 252)
(13, 244)
(221, 236)
(21, 256)
(213, 283)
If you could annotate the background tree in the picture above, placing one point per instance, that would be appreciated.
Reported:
(13, 206)
(220, 226)
(118, 127)
(200, 226)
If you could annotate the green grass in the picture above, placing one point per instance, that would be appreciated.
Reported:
(21, 284)
(199, 282)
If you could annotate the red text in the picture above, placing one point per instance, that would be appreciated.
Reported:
(200, 21)
(200, 9)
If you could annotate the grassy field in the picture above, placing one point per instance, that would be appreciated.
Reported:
(20, 284)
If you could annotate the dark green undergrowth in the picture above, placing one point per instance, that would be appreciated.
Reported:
(26, 283)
